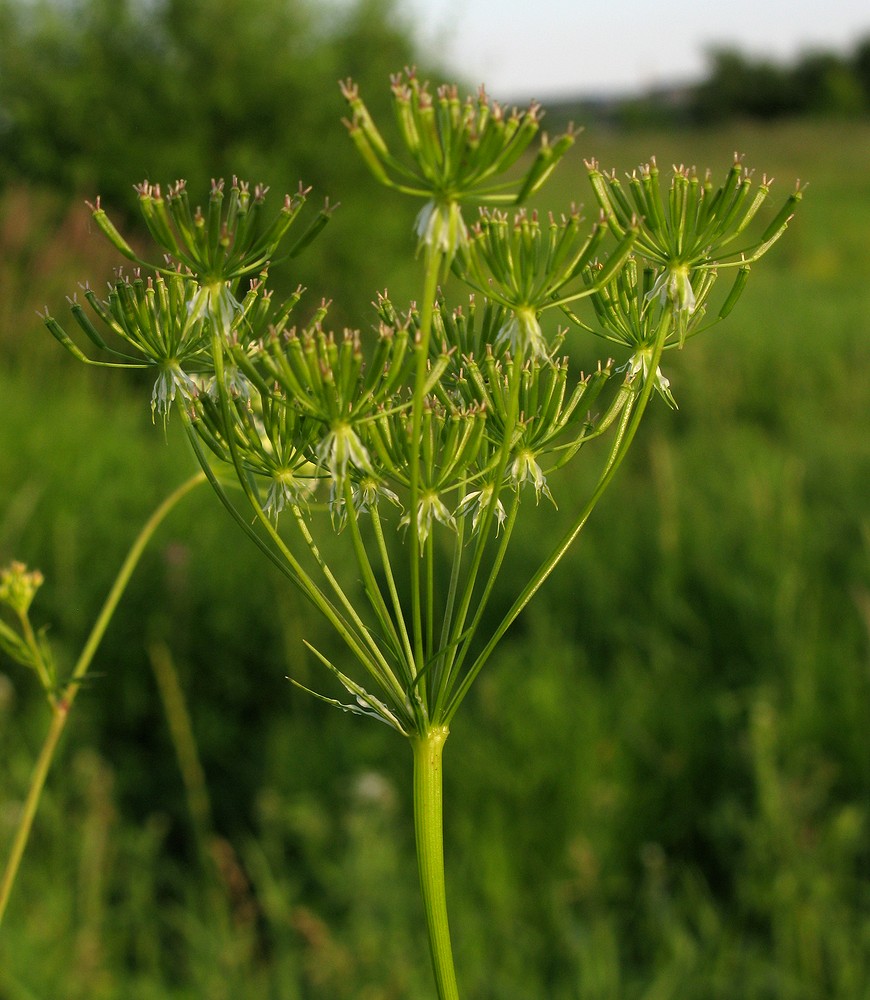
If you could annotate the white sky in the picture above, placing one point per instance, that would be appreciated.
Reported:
(549, 48)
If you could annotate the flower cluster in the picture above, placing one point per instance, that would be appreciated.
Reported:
(451, 414)
(688, 231)
(682, 240)
(18, 588)
(528, 268)
(457, 152)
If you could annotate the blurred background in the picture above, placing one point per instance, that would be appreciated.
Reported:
(659, 788)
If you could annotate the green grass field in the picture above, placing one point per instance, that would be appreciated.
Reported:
(661, 788)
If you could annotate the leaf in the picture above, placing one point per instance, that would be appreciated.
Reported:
(14, 646)
(366, 704)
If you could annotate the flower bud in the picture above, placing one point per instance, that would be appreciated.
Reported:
(18, 587)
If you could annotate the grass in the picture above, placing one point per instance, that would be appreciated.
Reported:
(674, 805)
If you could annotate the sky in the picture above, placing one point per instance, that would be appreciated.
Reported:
(552, 48)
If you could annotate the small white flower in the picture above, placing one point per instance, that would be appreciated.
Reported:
(525, 469)
(639, 364)
(285, 490)
(429, 509)
(338, 449)
(217, 303)
(477, 502)
(674, 285)
(365, 495)
(236, 382)
(440, 225)
(524, 334)
(170, 381)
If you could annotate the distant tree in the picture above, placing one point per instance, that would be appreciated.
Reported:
(98, 94)
(737, 85)
(861, 68)
(826, 84)
(818, 83)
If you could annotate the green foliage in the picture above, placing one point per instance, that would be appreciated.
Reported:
(97, 94)
(737, 86)
(817, 83)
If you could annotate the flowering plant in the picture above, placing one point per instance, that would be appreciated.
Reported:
(435, 427)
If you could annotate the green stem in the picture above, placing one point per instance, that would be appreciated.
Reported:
(398, 613)
(121, 581)
(62, 705)
(376, 662)
(460, 648)
(459, 654)
(438, 682)
(42, 671)
(283, 557)
(434, 259)
(373, 592)
(430, 598)
(630, 419)
(428, 749)
(31, 803)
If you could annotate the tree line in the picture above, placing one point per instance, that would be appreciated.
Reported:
(97, 95)
(817, 83)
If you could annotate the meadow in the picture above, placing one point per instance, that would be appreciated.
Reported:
(660, 788)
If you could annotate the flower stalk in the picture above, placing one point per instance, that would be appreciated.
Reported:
(61, 699)
(428, 749)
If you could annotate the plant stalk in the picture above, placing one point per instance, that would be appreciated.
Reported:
(434, 260)
(428, 827)
(61, 706)
(59, 715)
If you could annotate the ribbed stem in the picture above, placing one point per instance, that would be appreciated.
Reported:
(428, 749)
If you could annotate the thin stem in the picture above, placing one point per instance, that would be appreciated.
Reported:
(628, 424)
(121, 581)
(428, 826)
(434, 260)
(458, 658)
(393, 591)
(373, 592)
(430, 596)
(482, 540)
(62, 705)
(377, 662)
(41, 667)
(293, 569)
(449, 607)
(31, 803)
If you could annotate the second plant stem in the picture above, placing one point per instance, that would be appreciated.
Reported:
(62, 704)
